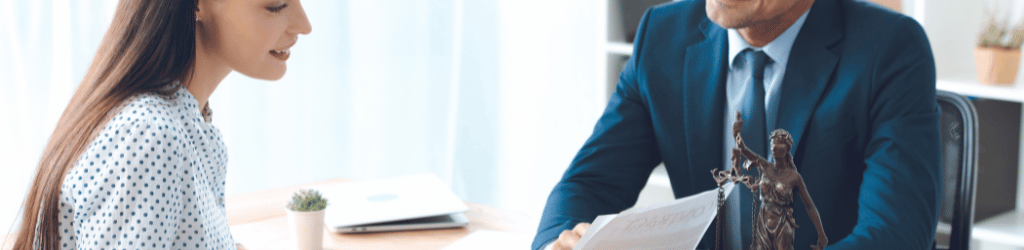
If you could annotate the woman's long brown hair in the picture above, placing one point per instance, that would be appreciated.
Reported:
(149, 46)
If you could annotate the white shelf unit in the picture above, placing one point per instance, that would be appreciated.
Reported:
(952, 27)
(1007, 228)
(619, 48)
(1012, 93)
(618, 19)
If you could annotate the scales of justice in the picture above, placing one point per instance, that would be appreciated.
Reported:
(773, 222)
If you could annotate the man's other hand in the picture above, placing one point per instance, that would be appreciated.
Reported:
(568, 239)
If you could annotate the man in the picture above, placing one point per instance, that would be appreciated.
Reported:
(853, 83)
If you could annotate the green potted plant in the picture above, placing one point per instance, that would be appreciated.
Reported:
(306, 219)
(997, 55)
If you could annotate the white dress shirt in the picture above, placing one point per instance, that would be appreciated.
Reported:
(736, 84)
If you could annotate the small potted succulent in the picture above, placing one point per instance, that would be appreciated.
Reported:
(306, 219)
(997, 55)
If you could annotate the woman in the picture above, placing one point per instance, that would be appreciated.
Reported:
(774, 225)
(134, 161)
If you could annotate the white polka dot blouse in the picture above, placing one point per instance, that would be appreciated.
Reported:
(152, 179)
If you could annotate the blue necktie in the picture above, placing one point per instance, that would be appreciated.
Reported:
(754, 136)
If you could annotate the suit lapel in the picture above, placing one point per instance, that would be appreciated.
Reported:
(810, 69)
(704, 91)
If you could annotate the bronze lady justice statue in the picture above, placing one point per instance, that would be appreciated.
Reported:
(774, 225)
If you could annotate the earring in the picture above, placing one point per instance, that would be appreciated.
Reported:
(197, 17)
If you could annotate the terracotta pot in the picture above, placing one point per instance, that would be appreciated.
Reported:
(307, 229)
(996, 66)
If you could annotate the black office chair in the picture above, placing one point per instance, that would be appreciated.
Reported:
(959, 170)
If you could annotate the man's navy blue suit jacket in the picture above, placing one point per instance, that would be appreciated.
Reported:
(858, 97)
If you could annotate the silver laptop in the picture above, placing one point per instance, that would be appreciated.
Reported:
(402, 203)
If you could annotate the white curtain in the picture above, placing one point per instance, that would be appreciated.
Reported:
(45, 49)
(493, 96)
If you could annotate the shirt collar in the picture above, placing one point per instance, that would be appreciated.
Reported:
(778, 49)
(190, 102)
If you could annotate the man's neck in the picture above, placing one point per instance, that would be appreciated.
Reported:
(762, 33)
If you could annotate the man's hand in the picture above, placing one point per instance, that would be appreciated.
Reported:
(568, 239)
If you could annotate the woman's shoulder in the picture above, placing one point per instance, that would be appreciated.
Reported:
(144, 139)
(152, 110)
(147, 121)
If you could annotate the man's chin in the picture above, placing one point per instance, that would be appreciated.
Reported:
(726, 16)
(729, 23)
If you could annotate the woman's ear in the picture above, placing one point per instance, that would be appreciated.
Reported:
(200, 6)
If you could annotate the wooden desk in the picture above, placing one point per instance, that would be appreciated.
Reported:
(258, 221)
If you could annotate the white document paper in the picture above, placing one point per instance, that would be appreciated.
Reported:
(486, 239)
(678, 224)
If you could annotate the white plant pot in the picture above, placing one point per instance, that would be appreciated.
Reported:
(307, 229)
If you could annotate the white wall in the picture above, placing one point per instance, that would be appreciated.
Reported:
(548, 90)
(43, 56)
(953, 27)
